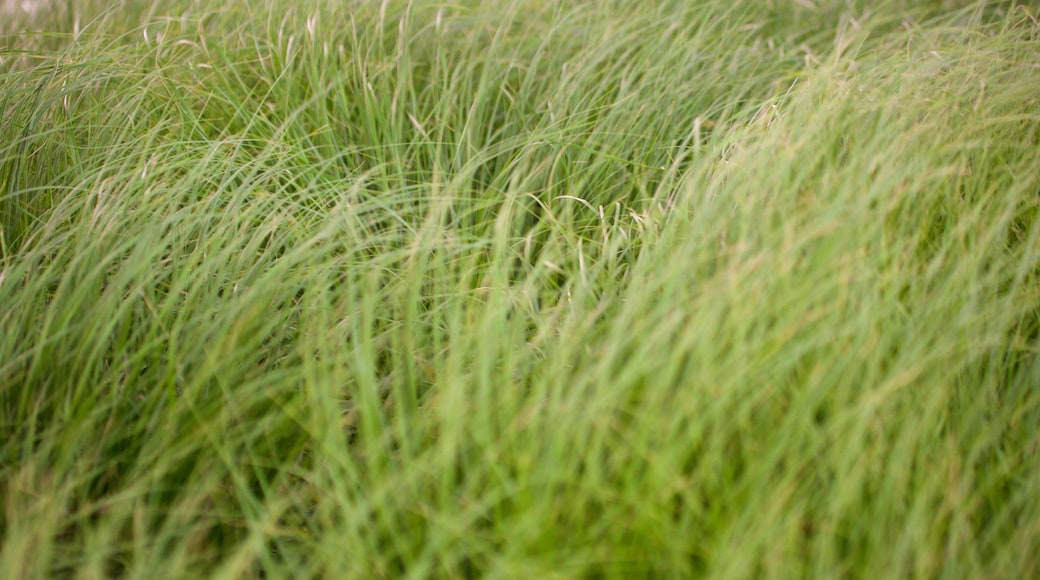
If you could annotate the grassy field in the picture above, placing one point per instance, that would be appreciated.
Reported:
(520, 289)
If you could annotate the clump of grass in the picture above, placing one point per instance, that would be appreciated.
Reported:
(516, 288)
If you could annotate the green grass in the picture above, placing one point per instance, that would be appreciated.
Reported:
(520, 288)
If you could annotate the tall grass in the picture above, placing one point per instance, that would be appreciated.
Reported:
(520, 288)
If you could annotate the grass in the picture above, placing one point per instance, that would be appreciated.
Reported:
(520, 288)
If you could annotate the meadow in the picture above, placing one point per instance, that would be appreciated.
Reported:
(520, 289)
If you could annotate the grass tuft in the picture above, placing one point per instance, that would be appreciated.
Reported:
(520, 288)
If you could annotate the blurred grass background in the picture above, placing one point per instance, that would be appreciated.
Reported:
(520, 288)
